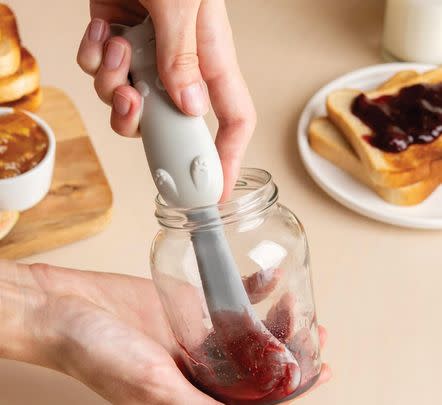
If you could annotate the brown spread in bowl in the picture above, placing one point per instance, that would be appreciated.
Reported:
(23, 144)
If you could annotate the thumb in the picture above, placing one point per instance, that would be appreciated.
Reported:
(178, 66)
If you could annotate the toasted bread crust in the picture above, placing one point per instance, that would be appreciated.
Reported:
(30, 102)
(327, 141)
(429, 77)
(398, 79)
(25, 81)
(8, 219)
(9, 42)
(385, 169)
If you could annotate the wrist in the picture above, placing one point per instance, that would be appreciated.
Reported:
(21, 304)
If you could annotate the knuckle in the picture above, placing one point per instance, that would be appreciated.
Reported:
(83, 62)
(42, 268)
(246, 122)
(251, 118)
(103, 93)
(116, 126)
(148, 383)
(122, 128)
(80, 60)
(89, 59)
(184, 62)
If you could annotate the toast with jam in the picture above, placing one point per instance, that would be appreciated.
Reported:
(326, 140)
(329, 142)
(395, 130)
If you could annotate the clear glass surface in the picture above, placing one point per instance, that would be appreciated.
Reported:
(271, 252)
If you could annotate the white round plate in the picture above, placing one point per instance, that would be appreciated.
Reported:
(340, 185)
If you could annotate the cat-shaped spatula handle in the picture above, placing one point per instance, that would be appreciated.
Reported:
(187, 171)
(182, 156)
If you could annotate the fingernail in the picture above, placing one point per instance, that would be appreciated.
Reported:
(96, 30)
(114, 55)
(194, 99)
(121, 104)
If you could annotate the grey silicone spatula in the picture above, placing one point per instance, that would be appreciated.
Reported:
(187, 171)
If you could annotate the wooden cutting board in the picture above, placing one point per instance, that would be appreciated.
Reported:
(80, 200)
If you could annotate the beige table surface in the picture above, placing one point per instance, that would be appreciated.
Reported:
(377, 287)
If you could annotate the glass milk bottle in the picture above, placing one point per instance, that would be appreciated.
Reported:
(413, 31)
(270, 249)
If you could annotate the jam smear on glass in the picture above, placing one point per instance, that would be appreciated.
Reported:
(413, 116)
(244, 366)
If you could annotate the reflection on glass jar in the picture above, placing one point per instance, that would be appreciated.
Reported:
(270, 249)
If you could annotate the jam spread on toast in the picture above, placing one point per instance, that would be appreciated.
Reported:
(23, 144)
(413, 116)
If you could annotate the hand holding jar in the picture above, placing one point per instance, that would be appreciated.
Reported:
(106, 330)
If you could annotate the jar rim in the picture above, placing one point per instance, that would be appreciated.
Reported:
(261, 193)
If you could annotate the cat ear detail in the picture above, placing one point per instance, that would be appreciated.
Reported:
(166, 185)
(199, 171)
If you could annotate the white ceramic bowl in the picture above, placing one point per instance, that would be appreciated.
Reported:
(22, 192)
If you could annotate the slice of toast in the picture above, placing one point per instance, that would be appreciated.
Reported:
(9, 42)
(25, 81)
(387, 170)
(398, 79)
(30, 102)
(326, 140)
(8, 219)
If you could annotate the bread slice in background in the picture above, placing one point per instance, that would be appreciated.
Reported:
(8, 219)
(19, 85)
(9, 42)
(19, 72)
(429, 77)
(30, 102)
(22, 83)
(387, 170)
(398, 79)
(326, 140)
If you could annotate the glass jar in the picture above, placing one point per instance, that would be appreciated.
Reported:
(413, 31)
(271, 253)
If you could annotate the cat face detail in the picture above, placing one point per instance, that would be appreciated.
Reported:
(142, 40)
